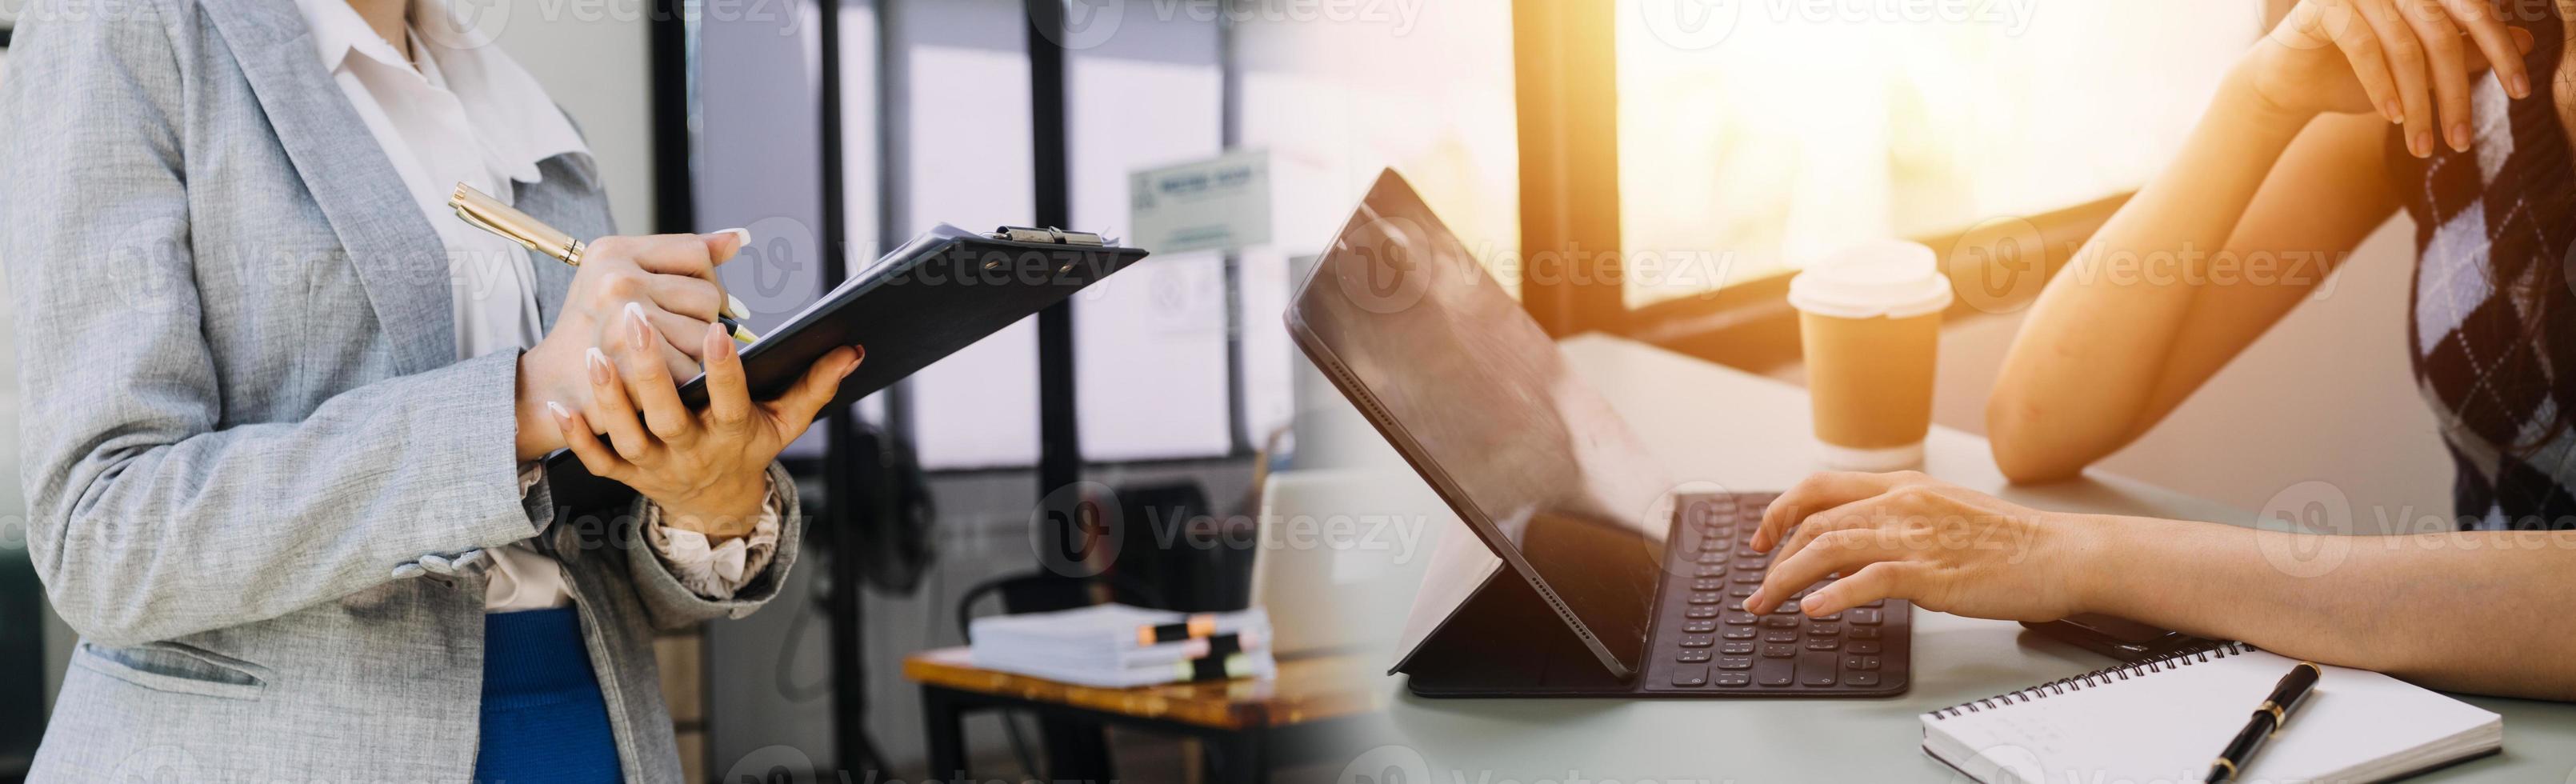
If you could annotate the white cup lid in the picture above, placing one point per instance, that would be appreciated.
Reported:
(1891, 278)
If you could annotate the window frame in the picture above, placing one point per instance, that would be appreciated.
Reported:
(1565, 62)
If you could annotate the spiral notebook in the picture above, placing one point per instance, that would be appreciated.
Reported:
(2164, 719)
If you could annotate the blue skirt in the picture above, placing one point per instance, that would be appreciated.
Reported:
(543, 717)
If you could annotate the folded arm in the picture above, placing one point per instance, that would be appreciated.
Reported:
(2169, 290)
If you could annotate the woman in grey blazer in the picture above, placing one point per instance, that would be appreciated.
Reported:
(276, 442)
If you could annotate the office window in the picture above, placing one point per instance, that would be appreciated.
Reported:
(1770, 133)
(968, 162)
(1150, 343)
(1336, 99)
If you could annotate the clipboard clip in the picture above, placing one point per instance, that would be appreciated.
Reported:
(1049, 236)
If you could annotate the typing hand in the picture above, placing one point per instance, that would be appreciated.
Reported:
(1909, 536)
(671, 277)
(707, 469)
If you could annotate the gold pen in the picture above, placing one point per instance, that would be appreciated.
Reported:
(489, 214)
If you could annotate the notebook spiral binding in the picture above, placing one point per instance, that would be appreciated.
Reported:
(2175, 660)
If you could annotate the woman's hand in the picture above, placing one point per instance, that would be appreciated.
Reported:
(707, 469)
(2409, 61)
(1909, 536)
(671, 277)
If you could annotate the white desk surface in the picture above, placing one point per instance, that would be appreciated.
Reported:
(1748, 433)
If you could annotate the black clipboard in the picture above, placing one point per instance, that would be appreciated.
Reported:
(937, 294)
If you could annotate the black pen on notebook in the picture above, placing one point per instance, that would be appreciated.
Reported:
(489, 214)
(2266, 722)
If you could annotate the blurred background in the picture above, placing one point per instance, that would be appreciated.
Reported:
(1704, 148)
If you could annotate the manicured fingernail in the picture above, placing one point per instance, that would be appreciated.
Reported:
(2522, 39)
(863, 354)
(2420, 144)
(561, 414)
(719, 341)
(741, 234)
(2395, 113)
(735, 309)
(637, 328)
(600, 370)
(2460, 137)
(847, 369)
(1810, 604)
(2521, 86)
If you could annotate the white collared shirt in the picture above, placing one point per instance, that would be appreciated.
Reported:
(468, 113)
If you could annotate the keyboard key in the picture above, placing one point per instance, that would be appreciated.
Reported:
(1734, 663)
(1738, 618)
(1775, 672)
(1735, 605)
(1737, 633)
(1712, 558)
(1704, 611)
(1699, 627)
(1863, 633)
(1831, 616)
(1690, 675)
(1779, 622)
(1749, 578)
(1735, 648)
(1697, 641)
(1874, 603)
(1705, 597)
(1860, 679)
(1824, 629)
(1695, 655)
(1862, 616)
(1860, 662)
(1780, 635)
(1747, 551)
(1748, 563)
(1711, 571)
(1863, 646)
(1779, 651)
(1741, 591)
(1786, 608)
(1707, 584)
(1824, 644)
(1731, 679)
(1817, 669)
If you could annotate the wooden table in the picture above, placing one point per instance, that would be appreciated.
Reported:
(1235, 718)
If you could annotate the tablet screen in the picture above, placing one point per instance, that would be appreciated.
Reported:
(1529, 455)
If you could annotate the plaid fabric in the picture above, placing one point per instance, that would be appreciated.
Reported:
(2493, 321)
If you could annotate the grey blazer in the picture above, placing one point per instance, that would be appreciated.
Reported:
(262, 487)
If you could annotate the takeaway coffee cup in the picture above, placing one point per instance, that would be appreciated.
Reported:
(1870, 320)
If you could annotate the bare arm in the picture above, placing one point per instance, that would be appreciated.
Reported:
(2286, 169)
(2448, 610)
(2137, 320)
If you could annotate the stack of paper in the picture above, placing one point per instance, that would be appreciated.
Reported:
(1119, 645)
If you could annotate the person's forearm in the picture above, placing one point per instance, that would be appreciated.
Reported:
(2468, 611)
(2083, 366)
